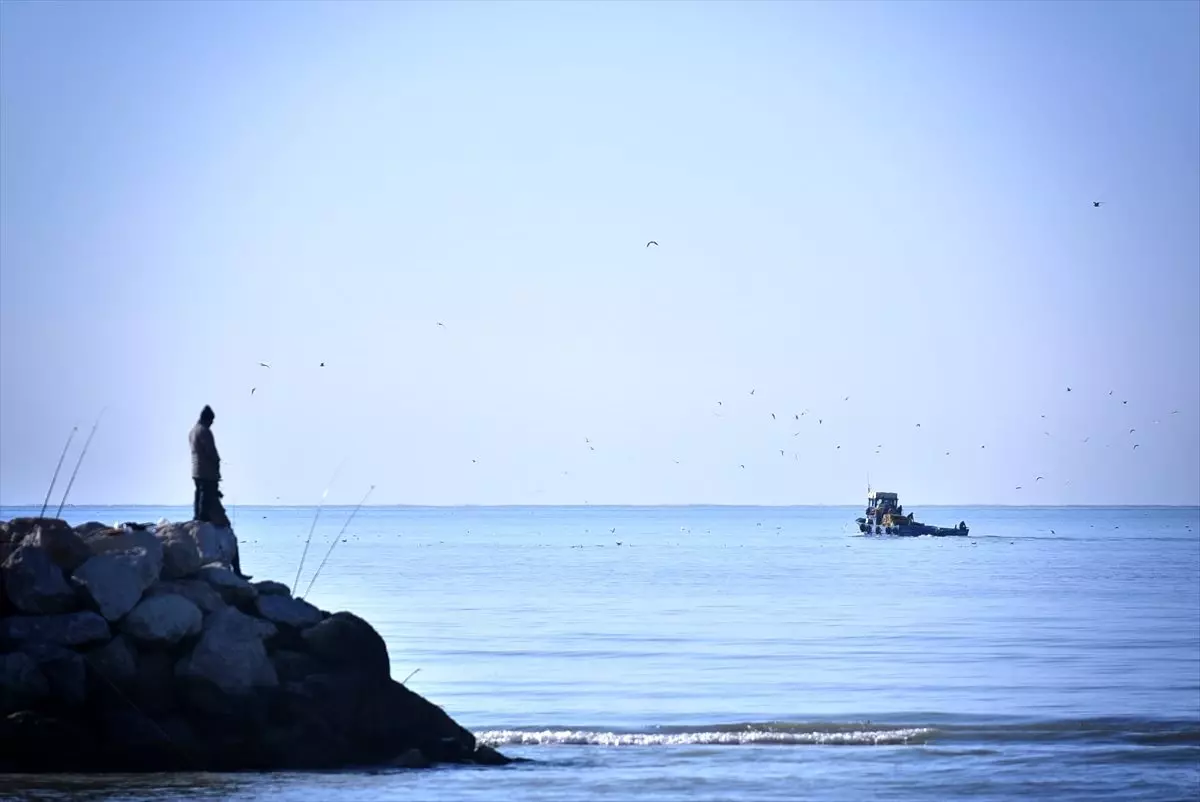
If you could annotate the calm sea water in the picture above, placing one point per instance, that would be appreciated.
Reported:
(702, 653)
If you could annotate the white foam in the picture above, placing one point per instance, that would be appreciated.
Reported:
(734, 738)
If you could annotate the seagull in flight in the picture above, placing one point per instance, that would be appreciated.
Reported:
(1098, 204)
(263, 365)
(443, 325)
(252, 389)
(1038, 479)
(651, 242)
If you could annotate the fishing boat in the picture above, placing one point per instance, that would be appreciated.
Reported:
(885, 516)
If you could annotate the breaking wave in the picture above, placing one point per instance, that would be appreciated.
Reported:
(731, 735)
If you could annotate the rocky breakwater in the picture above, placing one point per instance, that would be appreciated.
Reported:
(141, 650)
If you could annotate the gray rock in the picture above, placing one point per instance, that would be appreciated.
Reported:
(197, 591)
(34, 584)
(85, 531)
(63, 669)
(293, 666)
(127, 540)
(291, 612)
(113, 582)
(270, 588)
(164, 620)
(181, 558)
(230, 653)
(345, 641)
(21, 683)
(233, 589)
(410, 759)
(68, 629)
(213, 543)
(115, 661)
(66, 549)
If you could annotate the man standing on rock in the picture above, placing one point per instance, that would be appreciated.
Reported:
(206, 473)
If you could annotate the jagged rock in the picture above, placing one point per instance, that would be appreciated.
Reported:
(63, 669)
(269, 588)
(293, 666)
(126, 540)
(214, 544)
(197, 591)
(20, 528)
(290, 612)
(21, 682)
(345, 641)
(66, 549)
(69, 629)
(230, 653)
(487, 756)
(163, 619)
(34, 584)
(114, 581)
(115, 661)
(87, 530)
(233, 589)
(410, 759)
(181, 557)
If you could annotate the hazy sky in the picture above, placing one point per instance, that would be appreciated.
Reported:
(891, 202)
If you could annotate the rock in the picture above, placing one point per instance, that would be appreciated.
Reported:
(233, 589)
(34, 584)
(410, 759)
(87, 530)
(214, 544)
(487, 756)
(113, 582)
(66, 549)
(115, 661)
(63, 669)
(154, 688)
(230, 653)
(163, 620)
(20, 528)
(21, 683)
(346, 641)
(293, 666)
(181, 558)
(290, 612)
(269, 588)
(68, 629)
(32, 741)
(126, 541)
(197, 591)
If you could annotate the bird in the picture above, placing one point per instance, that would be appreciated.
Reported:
(651, 242)
(1018, 487)
(797, 417)
(252, 389)
(918, 426)
(772, 416)
(839, 447)
(1131, 431)
(1135, 445)
(751, 392)
(1038, 479)
(1174, 412)
(1089, 437)
(781, 452)
(983, 446)
(263, 365)
(947, 453)
(613, 530)
(1124, 402)
(321, 365)
(743, 467)
(1098, 204)
(820, 420)
(443, 325)
(847, 398)
(1068, 389)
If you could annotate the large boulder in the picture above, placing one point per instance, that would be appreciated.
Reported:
(21, 683)
(20, 528)
(214, 544)
(230, 653)
(64, 669)
(114, 581)
(69, 629)
(233, 589)
(129, 540)
(181, 558)
(289, 612)
(34, 584)
(345, 641)
(163, 620)
(66, 548)
(85, 531)
(115, 662)
(197, 591)
(268, 587)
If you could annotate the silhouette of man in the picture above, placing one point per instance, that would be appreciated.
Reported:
(206, 473)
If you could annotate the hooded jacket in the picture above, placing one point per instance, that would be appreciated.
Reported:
(206, 462)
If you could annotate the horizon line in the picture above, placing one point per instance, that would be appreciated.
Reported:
(689, 505)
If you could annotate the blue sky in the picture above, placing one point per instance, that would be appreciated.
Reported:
(889, 202)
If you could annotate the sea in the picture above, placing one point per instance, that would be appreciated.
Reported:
(647, 654)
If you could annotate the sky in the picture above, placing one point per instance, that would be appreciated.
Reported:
(876, 214)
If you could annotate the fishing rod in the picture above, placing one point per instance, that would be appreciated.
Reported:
(79, 462)
(335, 541)
(57, 468)
(312, 528)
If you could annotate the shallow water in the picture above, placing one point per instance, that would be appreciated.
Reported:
(755, 653)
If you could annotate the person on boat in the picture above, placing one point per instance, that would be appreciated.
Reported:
(206, 474)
